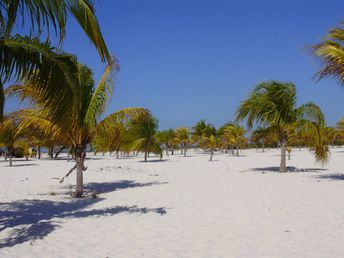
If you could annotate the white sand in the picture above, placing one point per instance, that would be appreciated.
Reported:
(182, 207)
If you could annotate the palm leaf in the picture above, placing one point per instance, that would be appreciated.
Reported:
(40, 66)
(44, 14)
(100, 96)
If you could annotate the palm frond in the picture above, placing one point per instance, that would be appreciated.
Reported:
(42, 67)
(101, 96)
(44, 14)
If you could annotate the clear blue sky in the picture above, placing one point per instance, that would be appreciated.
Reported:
(187, 60)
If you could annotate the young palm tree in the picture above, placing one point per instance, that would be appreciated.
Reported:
(205, 136)
(143, 131)
(183, 138)
(8, 137)
(166, 137)
(198, 131)
(83, 120)
(259, 136)
(235, 135)
(273, 104)
(23, 57)
(171, 140)
(210, 142)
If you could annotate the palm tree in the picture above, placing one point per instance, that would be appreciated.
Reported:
(210, 142)
(235, 134)
(259, 136)
(273, 104)
(83, 120)
(171, 140)
(183, 138)
(198, 131)
(167, 137)
(143, 131)
(23, 57)
(9, 136)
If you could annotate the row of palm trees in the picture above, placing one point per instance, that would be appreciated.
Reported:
(66, 106)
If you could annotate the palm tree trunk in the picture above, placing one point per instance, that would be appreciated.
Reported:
(146, 154)
(211, 154)
(283, 166)
(237, 150)
(51, 152)
(80, 159)
(185, 151)
(263, 146)
(59, 151)
(10, 152)
(39, 151)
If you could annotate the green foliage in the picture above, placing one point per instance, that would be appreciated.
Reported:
(142, 131)
(273, 105)
(26, 58)
(45, 16)
(331, 53)
(182, 136)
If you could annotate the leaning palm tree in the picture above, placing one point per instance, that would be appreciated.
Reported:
(83, 120)
(273, 104)
(25, 57)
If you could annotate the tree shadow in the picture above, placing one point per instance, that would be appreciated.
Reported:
(289, 169)
(334, 177)
(23, 165)
(28, 220)
(106, 187)
(154, 160)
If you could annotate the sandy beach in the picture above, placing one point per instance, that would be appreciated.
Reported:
(178, 207)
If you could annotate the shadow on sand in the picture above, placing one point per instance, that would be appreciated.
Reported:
(154, 160)
(289, 169)
(23, 165)
(334, 177)
(29, 220)
(107, 187)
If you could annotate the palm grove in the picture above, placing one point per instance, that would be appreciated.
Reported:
(54, 84)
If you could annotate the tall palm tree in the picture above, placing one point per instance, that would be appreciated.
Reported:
(183, 138)
(273, 104)
(83, 120)
(25, 57)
